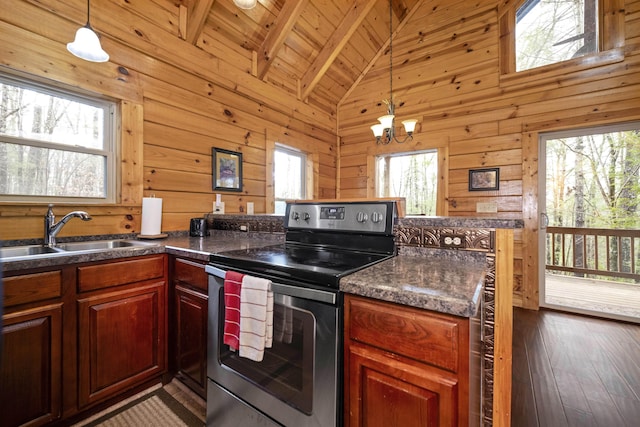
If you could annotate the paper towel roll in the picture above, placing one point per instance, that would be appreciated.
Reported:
(151, 216)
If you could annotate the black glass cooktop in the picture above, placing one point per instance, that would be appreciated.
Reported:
(314, 265)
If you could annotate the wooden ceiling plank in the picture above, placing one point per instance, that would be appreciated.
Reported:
(197, 18)
(334, 45)
(407, 17)
(278, 33)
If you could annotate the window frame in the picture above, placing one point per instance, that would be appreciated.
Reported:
(378, 157)
(611, 40)
(425, 142)
(111, 146)
(303, 172)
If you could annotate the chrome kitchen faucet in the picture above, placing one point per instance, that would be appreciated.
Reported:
(51, 228)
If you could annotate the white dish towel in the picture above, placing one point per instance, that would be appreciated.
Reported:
(256, 317)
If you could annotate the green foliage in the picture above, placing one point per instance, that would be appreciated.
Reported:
(609, 174)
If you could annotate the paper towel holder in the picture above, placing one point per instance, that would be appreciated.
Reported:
(153, 236)
(153, 221)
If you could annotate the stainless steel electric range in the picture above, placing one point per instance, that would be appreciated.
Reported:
(299, 381)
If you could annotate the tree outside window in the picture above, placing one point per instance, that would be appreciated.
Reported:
(54, 145)
(413, 176)
(550, 31)
(289, 176)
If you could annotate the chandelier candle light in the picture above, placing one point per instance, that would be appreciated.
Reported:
(386, 126)
(87, 44)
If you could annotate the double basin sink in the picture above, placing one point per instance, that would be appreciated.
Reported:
(15, 253)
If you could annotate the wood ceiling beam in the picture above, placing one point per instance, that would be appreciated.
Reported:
(405, 19)
(332, 48)
(278, 33)
(192, 24)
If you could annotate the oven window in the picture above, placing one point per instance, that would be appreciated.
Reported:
(287, 368)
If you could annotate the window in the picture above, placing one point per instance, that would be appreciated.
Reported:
(55, 145)
(559, 36)
(413, 176)
(550, 31)
(289, 171)
(593, 177)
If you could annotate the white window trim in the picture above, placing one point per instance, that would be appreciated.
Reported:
(304, 173)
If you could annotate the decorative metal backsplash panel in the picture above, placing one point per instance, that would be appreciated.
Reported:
(473, 239)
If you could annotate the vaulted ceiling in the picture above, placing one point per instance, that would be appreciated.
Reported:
(315, 49)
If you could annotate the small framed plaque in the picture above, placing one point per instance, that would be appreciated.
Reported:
(484, 179)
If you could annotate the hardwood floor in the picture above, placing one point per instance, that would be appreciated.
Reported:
(573, 370)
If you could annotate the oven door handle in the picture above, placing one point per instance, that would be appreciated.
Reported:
(282, 289)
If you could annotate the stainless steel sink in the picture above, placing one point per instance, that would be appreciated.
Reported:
(15, 253)
(99, 245)
(23, 251)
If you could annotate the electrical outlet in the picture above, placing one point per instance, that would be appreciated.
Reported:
(452, 241)
(487, 207)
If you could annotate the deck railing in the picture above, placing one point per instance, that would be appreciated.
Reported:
(594, 251)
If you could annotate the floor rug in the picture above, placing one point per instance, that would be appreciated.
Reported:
(156, 409)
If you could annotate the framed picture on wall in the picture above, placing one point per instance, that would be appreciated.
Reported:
(484, 179)
(227, 170)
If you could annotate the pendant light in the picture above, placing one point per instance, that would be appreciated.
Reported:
(385, 130)
(87, 44)
(245, 4)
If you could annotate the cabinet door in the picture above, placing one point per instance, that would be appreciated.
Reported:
(121, 340)
(191, 338)
(30, 372)
(387, 391)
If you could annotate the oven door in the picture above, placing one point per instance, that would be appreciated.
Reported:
(296, 384)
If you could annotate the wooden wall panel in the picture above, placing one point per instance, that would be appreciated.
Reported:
(447, 74)
(178, 101)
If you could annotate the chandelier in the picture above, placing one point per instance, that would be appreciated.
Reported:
(385, 130)
(87, 44)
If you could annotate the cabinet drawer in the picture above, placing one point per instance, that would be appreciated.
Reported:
(425, 336)
(32, 287)
(190, 272)
(117, 273)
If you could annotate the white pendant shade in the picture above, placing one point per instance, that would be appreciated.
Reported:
(377, 130)
(409, 125)
(245, 4)
(87, 46)
(386, 121)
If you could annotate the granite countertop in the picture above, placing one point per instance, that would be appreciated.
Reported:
(220, 241)
(446, 281)
(440, 280)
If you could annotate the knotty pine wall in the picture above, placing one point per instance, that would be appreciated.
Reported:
(447, 74)
(177, 100)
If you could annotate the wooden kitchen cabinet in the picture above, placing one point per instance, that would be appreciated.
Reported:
(408, 367)
(31, 360)
(188, 352)
(80, 334)
(121, 326)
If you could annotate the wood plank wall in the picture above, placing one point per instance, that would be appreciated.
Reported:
(447, 74)
(185, 100)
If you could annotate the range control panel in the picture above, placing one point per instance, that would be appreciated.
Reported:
(365, 217)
